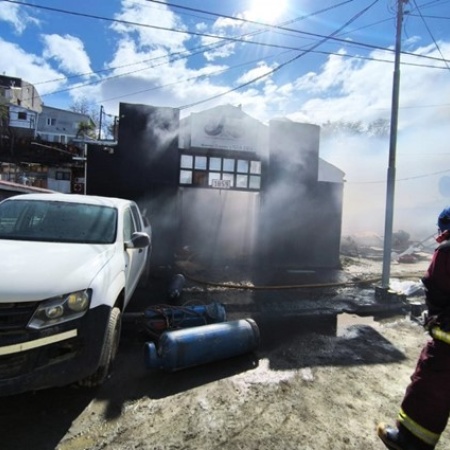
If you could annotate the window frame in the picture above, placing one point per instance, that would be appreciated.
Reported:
(244, 171)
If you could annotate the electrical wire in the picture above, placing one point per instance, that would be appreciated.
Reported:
(430, 33)
(325, 39)
(332, 36)
(402, 179)
(205, 47)
(254, 22)
(190, 53)
(78, 86)
(202, 49)
(193, 33)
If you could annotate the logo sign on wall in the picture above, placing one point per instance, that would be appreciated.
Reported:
(225, 132)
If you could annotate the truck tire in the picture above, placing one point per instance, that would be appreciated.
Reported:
(109, 351)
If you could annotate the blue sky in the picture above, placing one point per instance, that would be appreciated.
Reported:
(319, 61)
(155, 53)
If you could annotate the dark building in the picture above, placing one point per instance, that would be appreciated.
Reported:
(225, 186)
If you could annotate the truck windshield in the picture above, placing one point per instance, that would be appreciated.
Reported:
(55, 221)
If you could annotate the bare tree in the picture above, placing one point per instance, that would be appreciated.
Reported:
(376, 128)
(89, 108)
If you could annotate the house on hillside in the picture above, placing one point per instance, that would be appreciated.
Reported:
(18, 92)
(62, 126)
(40, 146)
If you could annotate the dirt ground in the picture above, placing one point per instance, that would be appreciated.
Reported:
(314, 383)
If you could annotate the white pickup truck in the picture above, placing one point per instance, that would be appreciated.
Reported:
(69, 266)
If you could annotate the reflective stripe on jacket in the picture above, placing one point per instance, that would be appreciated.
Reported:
(440, 335)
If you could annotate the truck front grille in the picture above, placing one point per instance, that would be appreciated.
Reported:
(15, 316)
(12, 365)
(23, 362)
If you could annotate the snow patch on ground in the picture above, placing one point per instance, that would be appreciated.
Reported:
(264, 375)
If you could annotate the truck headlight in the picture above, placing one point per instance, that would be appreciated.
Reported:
(60, 309)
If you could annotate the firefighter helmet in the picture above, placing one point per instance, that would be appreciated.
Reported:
(444, 220)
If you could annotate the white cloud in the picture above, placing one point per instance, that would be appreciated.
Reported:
(260, 70)
(224, 23)
(201, 27)
(69, 51)
(350, 89)
(128, 59)
(222, 48)
(155, 17)
(219, 48)
(15, 62)
(16, 16)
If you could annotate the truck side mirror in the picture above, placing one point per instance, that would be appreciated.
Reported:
(138, 240)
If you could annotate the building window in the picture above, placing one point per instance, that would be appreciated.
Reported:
(215, 163)
(51, 121)
(228, 177)
(242, 166)
(255, 167)
(22, 115)
(185, 176)
(187, 162)
(62, 175)
(228, 165)
(254, 182)
(200, 162)
(215, 171)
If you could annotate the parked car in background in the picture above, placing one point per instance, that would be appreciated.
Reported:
(69, 267)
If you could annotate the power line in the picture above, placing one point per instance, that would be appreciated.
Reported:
(281, 65)
(190, 54)
(88, 83)
(195, 50)
(254, 22)
(154, 88)
(428, 175)
(429, 17)
(218, 72)
(221, 37)
(194, 33)
(431, 34)
(173, 57)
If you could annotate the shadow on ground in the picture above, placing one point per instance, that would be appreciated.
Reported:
(290, 339)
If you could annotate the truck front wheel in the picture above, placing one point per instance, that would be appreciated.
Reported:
(109, 351)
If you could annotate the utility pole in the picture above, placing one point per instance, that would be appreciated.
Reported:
(100, 123)
(390, 189)
(114, 129)
(85, 151)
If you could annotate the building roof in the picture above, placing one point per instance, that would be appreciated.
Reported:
(17, 187)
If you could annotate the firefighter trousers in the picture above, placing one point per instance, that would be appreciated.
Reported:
(425, 407)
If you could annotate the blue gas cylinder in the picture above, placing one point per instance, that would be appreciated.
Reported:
(160, 318)
(194, 346)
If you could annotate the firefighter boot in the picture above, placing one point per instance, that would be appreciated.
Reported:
(400, 439)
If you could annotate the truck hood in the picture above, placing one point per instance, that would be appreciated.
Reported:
(31, 271)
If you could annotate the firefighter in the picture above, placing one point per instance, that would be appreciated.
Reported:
(425, 407)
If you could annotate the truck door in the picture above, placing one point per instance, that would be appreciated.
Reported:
(135, 258)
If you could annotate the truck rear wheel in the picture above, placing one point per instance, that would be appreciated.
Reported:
(109, 351)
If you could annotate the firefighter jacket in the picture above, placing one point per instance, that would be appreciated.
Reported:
(437, 288)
